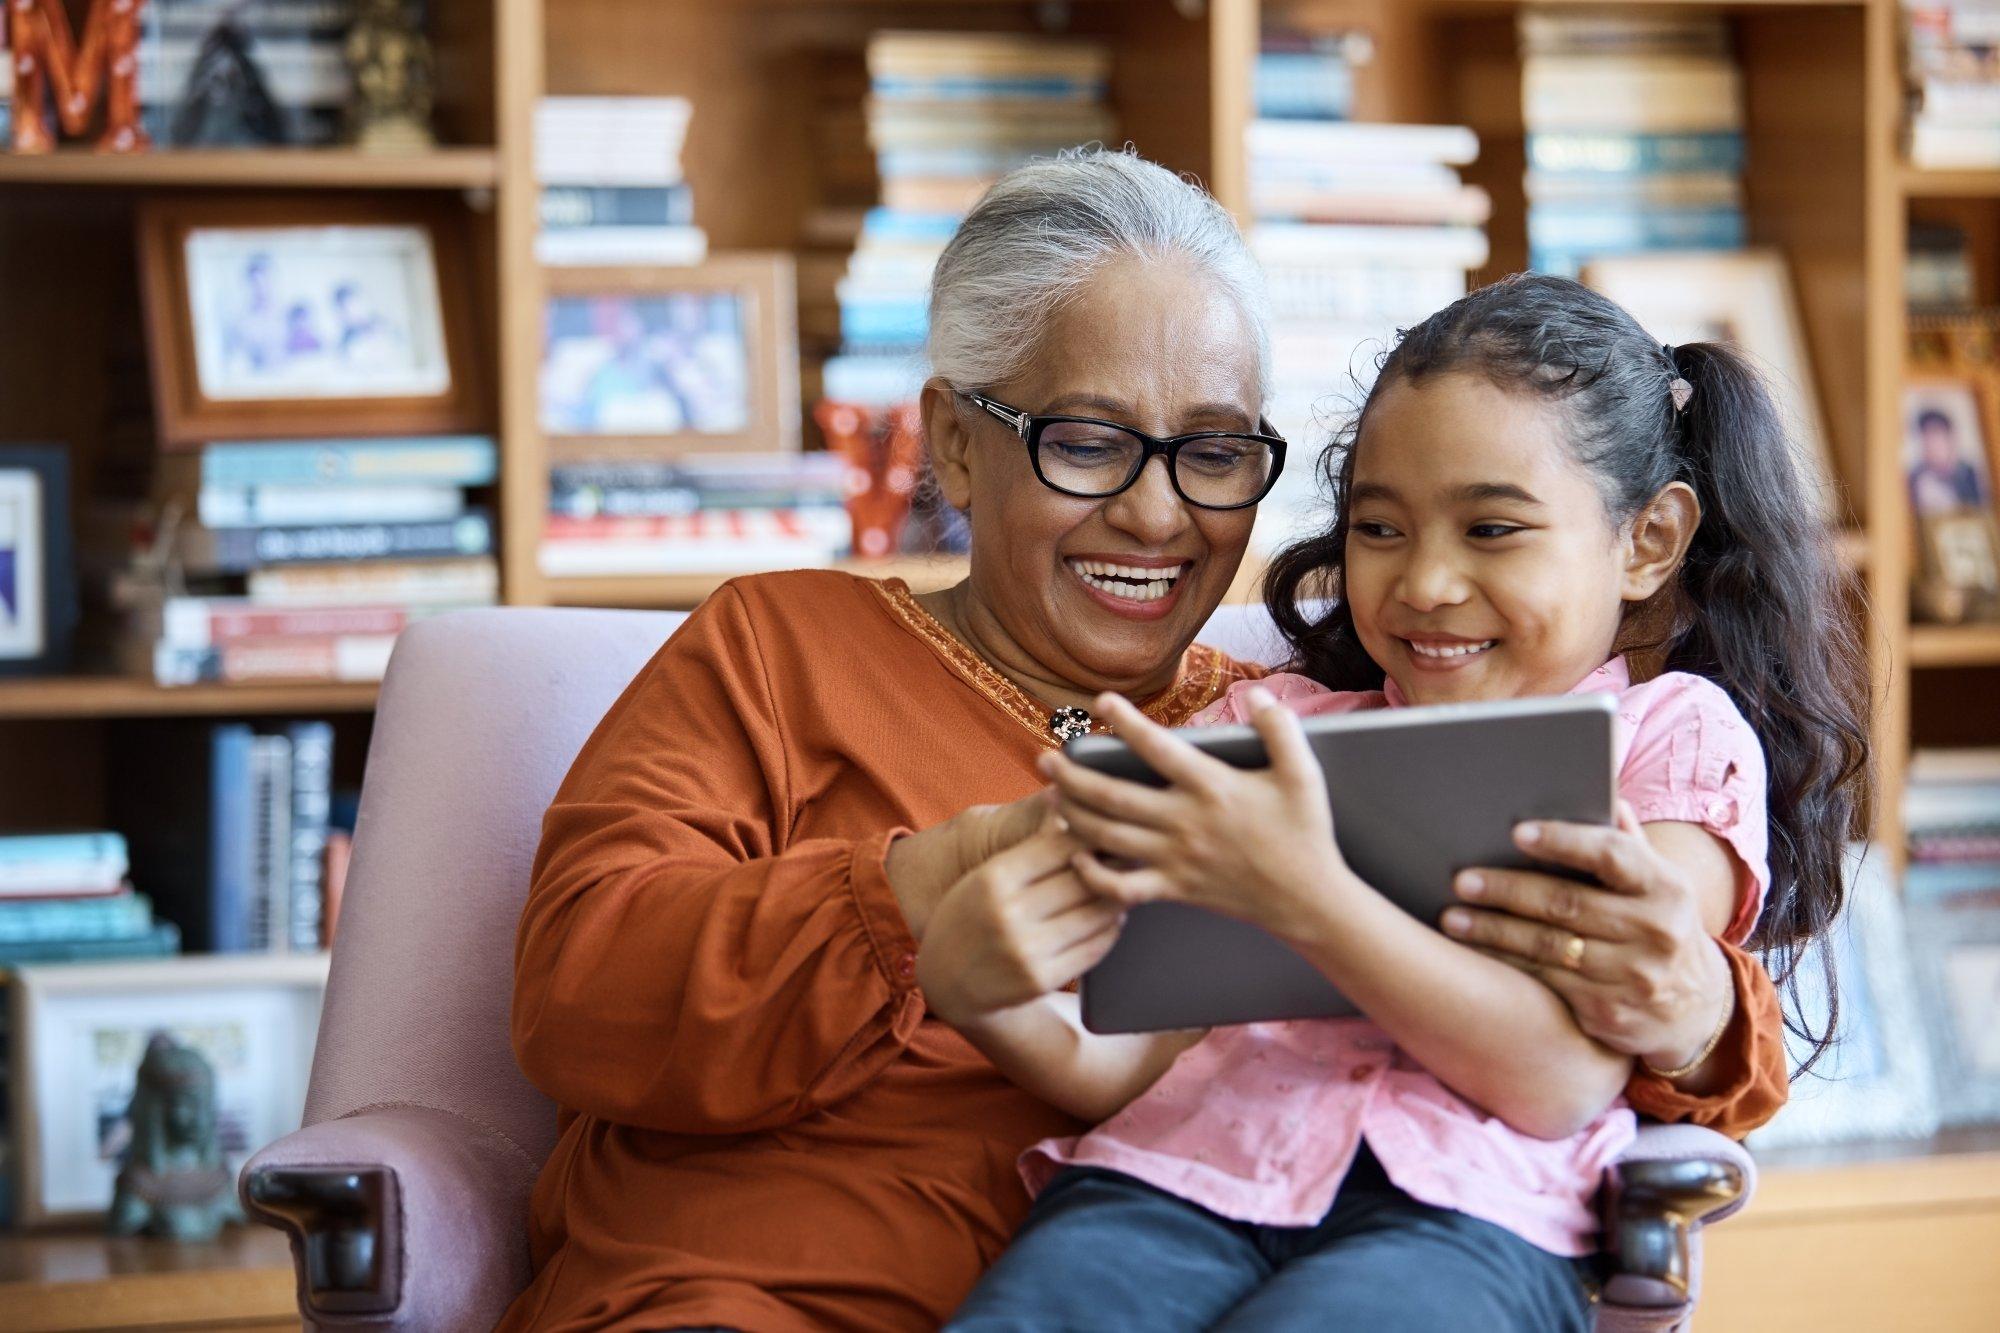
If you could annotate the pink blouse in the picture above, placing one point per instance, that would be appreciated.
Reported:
(1260, 1122)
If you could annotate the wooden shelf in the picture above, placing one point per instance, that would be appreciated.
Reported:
(315, 168)
(122, 696)
(1954, 645)
(83, 1280)
(1919, 183)
(682, 592)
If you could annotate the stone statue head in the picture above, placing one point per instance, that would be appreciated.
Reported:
(173, 1109)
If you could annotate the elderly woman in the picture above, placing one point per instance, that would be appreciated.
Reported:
(762, 1128)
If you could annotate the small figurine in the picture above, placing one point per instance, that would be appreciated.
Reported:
(226, 100)
(50, 65)
(883, 458)
(173, 1182)
(391, 65)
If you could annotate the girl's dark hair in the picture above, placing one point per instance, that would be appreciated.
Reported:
(1758, 606)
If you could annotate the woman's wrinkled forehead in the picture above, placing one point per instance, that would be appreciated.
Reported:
(1156, 343)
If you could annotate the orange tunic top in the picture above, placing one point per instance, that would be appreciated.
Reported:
(760, 1128)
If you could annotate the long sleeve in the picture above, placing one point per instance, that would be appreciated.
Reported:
(682, 964)
(1752, 1050)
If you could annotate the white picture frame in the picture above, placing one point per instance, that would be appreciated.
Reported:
(1742, 297)
(79, 1031)
(316, 312)
(1955, 938)
(1875, 1082)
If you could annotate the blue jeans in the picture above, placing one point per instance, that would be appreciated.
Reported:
(1103, 1251)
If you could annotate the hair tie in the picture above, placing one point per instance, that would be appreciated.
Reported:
(1678, 389)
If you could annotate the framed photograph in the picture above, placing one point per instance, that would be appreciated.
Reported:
(649, 362)
(80, 1030)
(1947, 458)
(1875, 1081)
(321, 316)
(1955, 939)
(1741, 297)
(37, 571)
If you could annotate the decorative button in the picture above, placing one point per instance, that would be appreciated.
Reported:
(1066, 724)
(907, 965)
(1722, 810)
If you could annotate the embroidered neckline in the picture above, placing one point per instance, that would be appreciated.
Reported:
(1202, 678)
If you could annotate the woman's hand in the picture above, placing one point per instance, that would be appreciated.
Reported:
(1254, 843)
(1647, 978)
(922, 867)
(1020, 925)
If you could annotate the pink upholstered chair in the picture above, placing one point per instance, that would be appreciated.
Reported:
(406, 1193)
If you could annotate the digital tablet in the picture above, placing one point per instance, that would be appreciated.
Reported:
(1418, 795)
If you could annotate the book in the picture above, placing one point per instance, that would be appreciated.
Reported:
(1443, 247)
(470, 581)
(1669, 92)
(339, 658)
(737, 541)
(598, 141)
(1597, 152)
(212, 622)
(305, 506)
(239, 550)
(1356, 142)
(1946, 146)
(161, 940)
(1666, 189)
(445, 460)
(312, 804)
(1464, 205)
(585, 246)
(616, 205)
(181, 794)
(62, 864)
(113, 916)
(1606, 230)
(1037, 88)
(271, 843)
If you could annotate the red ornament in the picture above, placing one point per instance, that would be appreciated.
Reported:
(47, 59)
(884, 452)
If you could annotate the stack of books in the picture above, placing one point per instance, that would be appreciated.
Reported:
(228, 830)
(1951, 816)
(67, 897)
(303, 560)
(1362, 229)
(947, 114)
(613, 190)
(696, 514)
(1634, 136)
(1953, 52)
(295, 46)
(1305, 75)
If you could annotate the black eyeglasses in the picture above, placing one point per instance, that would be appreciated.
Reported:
(1092, 459)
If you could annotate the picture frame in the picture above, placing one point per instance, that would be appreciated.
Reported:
(1955, 940)
(38, 590)
(1958, 567)
(273, 316)
(654, 361)
(80, 1029)
(1743, 297)
(1947, 453)
(1875, 1082)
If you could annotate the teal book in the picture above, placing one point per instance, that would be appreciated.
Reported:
(39, 920)
(162, 941)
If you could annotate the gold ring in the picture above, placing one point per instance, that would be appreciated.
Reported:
(1572, 954)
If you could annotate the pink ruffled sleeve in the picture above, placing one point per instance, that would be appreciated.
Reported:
(1693, 759)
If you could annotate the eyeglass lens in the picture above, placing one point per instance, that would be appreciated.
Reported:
(1098, 458)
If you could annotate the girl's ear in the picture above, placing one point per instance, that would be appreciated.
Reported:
(950, 441)
(1658, 540)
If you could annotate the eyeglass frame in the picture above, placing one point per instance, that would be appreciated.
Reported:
(1028, 426)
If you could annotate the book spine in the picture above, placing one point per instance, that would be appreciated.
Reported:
(232, 839)
(271, 823)
(199, 623)
(1051, 88)
(1644, 93)
(33, 921)
(473, 582)
(62, 879)
(312, 803)
(350, 658)
(1634, 229)
(301, 506)
(459, 460)
(238, 550)
(1590, 153)
(163, 940)
(602, 205)
(38, 848)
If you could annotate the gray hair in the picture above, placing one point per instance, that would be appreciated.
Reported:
(1042, 231)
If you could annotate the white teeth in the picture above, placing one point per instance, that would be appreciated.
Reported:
(1455, 650)
(1131, 582)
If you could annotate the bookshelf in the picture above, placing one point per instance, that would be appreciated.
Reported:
(1827, 184)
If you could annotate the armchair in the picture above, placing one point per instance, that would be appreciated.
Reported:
(406, 1193)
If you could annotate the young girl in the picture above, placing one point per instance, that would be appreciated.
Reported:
(1537, 500)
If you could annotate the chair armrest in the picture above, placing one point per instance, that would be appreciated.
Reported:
(1666, 1186)
(399, 1217)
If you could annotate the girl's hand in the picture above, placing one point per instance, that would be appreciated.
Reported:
(1254, 843)
(1647, 978)
(1018, 926)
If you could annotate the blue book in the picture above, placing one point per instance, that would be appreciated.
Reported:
(447, 460)
(22, 848)
(888, 224)
(880, 324)
(240, 550)
(1630, 229)
(163, 940)
(37, 920)
(971, 87)
(1624, 154)
(617, 206)
(896, 163)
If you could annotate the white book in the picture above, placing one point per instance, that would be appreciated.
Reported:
(1358, 141)
(1682, 94)
(468, 582)
(1306, 243)
(584, 246)
(1947, 145)
(561, 559)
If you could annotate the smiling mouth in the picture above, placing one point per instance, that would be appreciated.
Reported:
(1132, 582)
(1443, 652)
